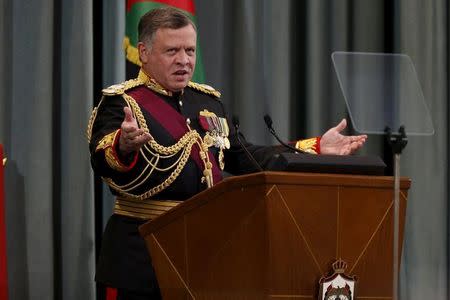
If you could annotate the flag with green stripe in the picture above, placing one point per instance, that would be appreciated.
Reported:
(134, 11)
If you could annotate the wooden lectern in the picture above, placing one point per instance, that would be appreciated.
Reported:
(273, 235)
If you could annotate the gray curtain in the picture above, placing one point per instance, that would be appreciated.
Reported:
(265, 56)
(113, 69)
(423, 34)
(245, 44)
(246, 48)
(46, 95)
(420, 30)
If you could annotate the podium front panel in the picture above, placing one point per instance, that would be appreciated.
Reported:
(274, 235)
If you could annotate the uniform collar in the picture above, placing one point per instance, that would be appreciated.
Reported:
(155, 86)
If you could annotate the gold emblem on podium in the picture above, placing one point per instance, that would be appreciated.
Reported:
(338, 286)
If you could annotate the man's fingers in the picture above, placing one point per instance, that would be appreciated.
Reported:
(128, 128)
(132, 138)
(133, 132)
(142, 139)
(129, 123)
(135, 140)
(341, 126)
(359, 139)
(128, 114)
(362, 137)
(356, 145)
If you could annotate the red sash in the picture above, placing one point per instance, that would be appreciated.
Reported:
(173, 122)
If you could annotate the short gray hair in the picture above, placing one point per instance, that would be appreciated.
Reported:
(164, 17)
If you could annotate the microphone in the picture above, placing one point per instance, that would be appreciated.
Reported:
(268, 121)
(235, 121)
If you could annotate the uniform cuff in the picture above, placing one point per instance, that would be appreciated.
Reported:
(311, 145)
(108, 144)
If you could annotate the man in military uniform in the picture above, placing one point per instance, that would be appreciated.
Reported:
(159, 139)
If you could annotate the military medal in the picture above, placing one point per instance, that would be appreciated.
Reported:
(221, 160)
(216, 128)
(217, 132)
(208, 140)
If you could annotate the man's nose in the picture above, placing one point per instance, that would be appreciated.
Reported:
(182, 57)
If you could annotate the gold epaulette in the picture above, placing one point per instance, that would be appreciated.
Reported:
(119, 89)
(116, 89)
(204, 88)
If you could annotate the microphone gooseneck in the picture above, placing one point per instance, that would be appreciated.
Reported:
(235, 121)
(268, 121)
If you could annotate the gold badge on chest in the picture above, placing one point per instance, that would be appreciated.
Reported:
(217, 132)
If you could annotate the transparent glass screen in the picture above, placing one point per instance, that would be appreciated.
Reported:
(382, 90)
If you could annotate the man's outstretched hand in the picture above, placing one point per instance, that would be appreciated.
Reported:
(333, 142)
(132, 138)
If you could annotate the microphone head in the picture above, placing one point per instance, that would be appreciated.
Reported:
(268, 121)
(235, 121)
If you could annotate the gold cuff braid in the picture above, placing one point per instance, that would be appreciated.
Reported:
(107, 145)
(106, 141)
(309, 145)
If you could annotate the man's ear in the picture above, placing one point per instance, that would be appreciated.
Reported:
(143, 52)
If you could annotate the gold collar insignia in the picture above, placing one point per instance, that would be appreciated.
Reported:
(152, 84)
(156, 87)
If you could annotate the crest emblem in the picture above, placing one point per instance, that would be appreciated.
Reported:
(338, 286)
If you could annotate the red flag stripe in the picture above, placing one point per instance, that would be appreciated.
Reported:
(186, 5)
(111, 293)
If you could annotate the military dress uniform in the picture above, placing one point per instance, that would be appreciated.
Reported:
(192, 143)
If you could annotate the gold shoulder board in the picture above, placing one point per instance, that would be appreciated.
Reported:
(204, 88)
(119, 89)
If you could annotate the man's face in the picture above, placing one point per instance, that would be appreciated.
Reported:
(171, 58)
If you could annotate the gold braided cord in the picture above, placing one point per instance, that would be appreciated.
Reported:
(144, 155)
(125, 186)
(154, 167)
(164, 157)
(91, 124)
(168, 181)
(207, 172)
(141, 182)
(150, 161)
(153, 162)
(185, 143)
(192, 134)
(92, 120)
(149, 150)
(152, 148)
